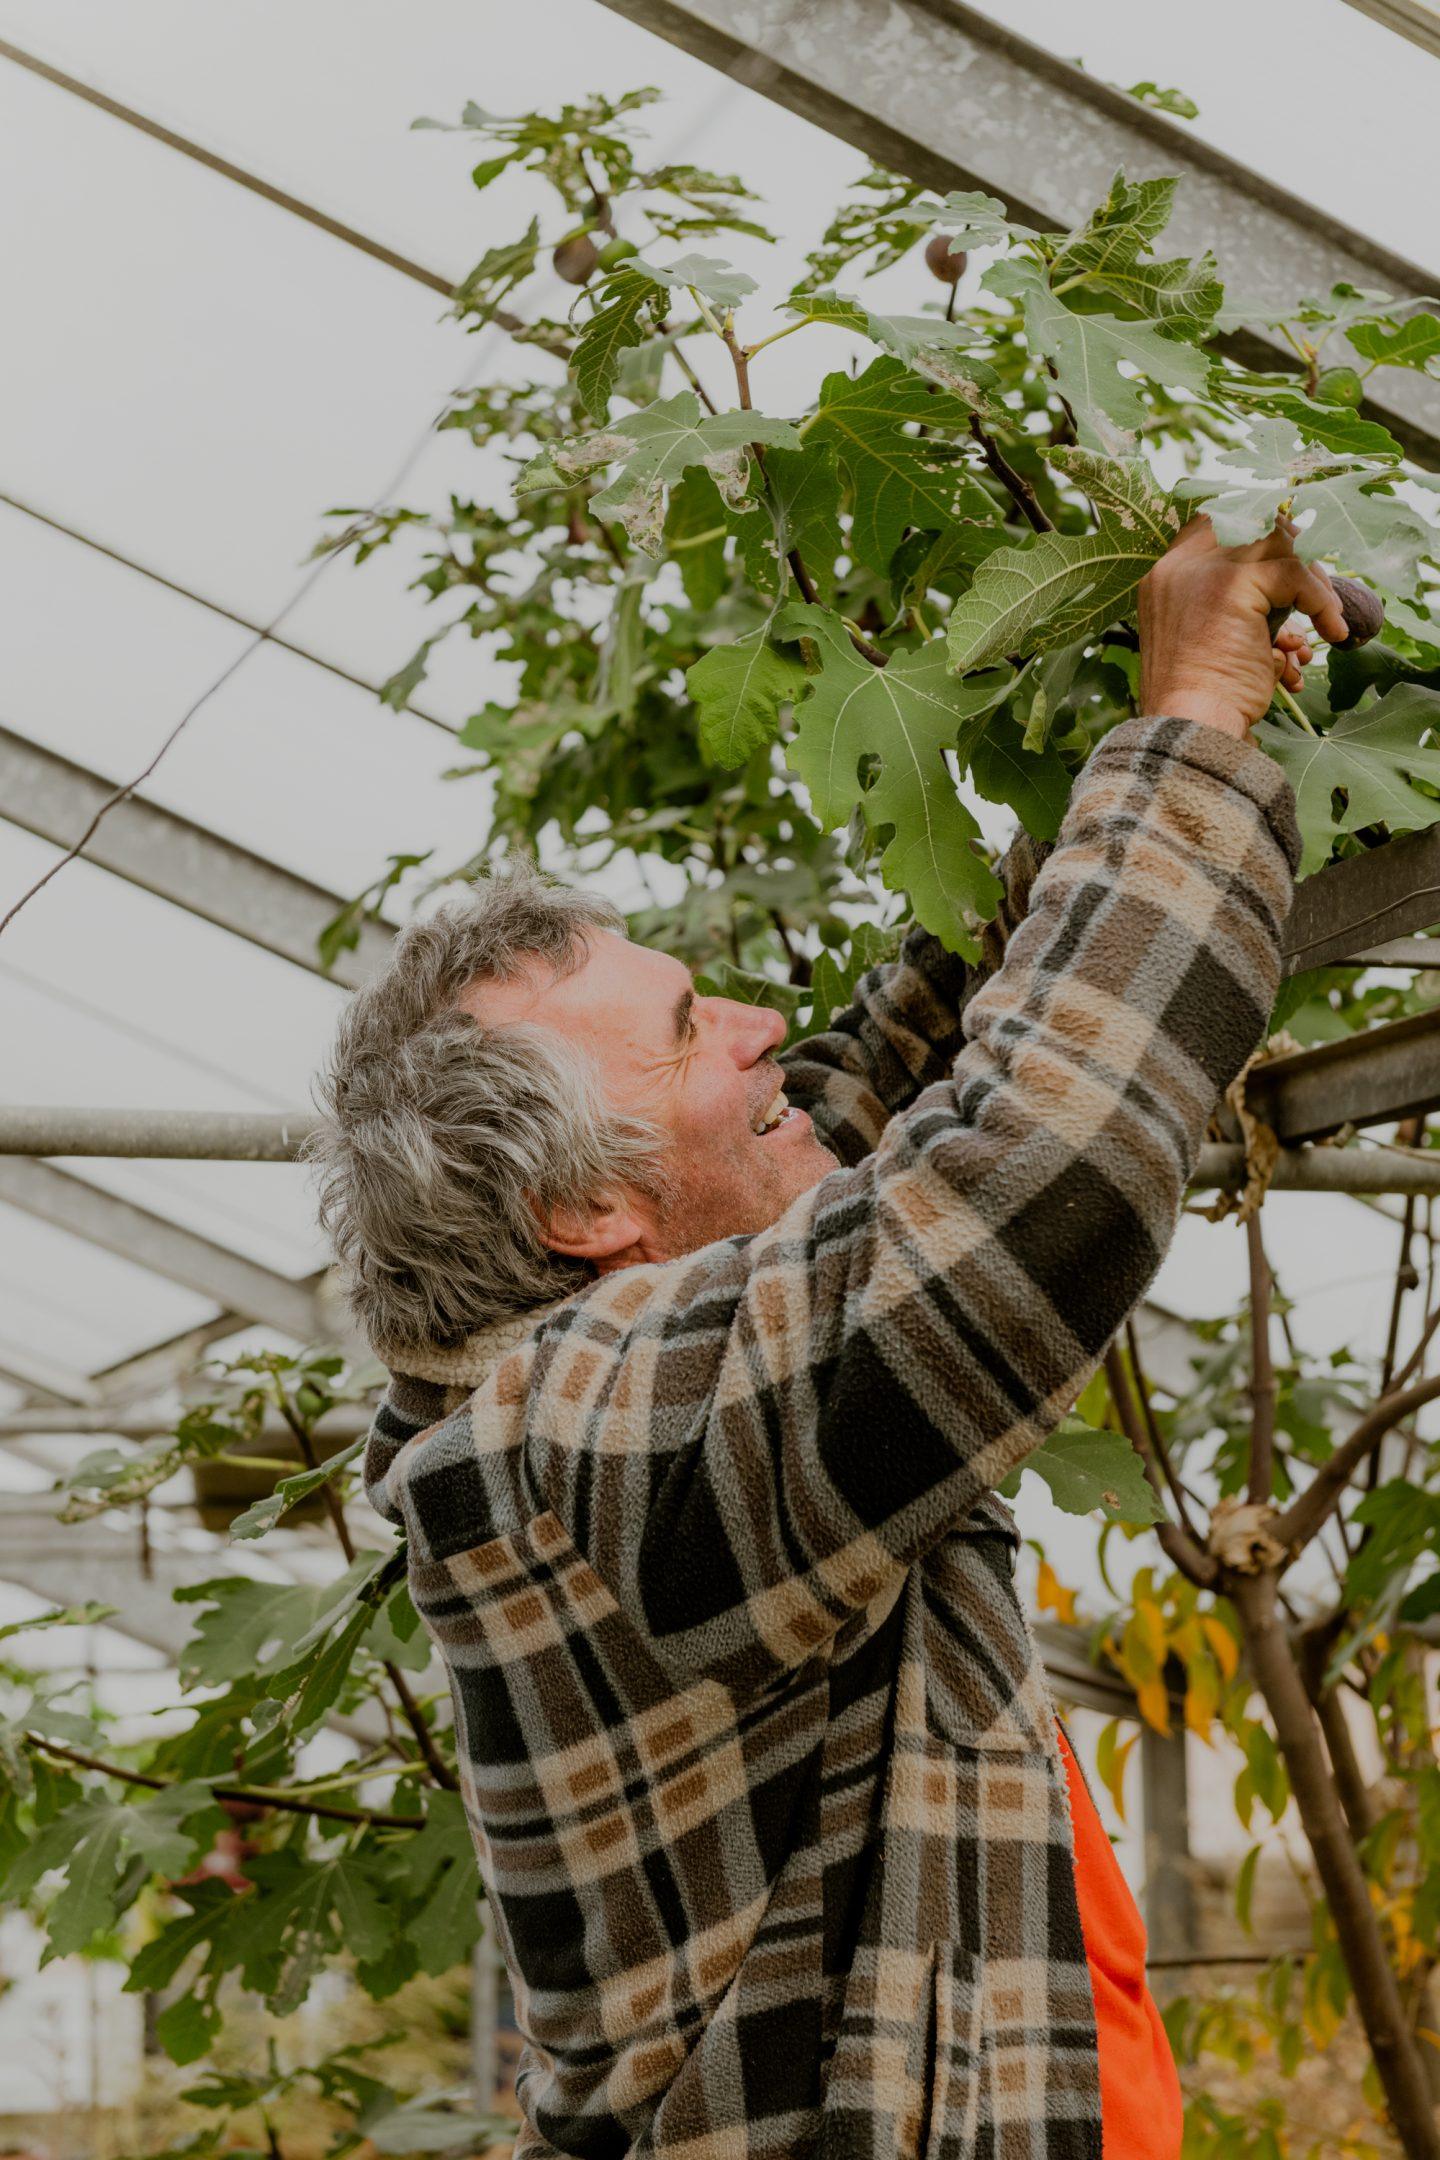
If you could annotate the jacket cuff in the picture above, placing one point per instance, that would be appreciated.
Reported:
(1219, 756)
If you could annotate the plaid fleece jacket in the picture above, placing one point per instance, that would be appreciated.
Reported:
(754, 1742)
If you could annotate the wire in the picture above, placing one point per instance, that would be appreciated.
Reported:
(240, 176)
(145, 1036)
(213, 607)
(262, 636)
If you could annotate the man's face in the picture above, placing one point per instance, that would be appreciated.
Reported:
(701, 1069)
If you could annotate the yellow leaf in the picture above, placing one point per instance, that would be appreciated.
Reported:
(1153, 1703)
(1051, 1595)
(1152, 1624)
(1111, 1756)
(1202, 1696)
(1223, 1646)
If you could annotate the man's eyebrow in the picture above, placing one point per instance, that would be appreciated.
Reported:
(683, 1006)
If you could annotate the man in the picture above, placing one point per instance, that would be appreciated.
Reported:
(707, 1364)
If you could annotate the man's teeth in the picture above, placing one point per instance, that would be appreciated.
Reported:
(773, 1116)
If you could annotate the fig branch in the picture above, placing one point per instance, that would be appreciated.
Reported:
(740, 357)
(287, 1803)
(1300, 1521)
(1263, 1385)
(1019, 489)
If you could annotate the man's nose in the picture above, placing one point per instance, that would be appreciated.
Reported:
(758, 1030)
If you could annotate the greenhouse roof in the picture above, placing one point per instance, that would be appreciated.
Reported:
(224, 269)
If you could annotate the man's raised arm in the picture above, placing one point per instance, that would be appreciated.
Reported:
(746, 1444)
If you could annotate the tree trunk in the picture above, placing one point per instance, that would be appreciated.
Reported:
(1376, 1989)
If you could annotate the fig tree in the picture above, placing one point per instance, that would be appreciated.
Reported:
(576, 259)
(944, 263)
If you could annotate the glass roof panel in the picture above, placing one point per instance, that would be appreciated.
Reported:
(1288, 88)
(67, 1301)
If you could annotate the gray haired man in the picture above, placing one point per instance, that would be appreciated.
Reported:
(707, 1360)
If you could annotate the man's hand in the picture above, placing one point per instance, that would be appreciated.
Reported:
(1205, 646)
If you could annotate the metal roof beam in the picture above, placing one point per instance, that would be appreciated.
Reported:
(1371, 1078)
(167, 855)
(237, 174)
(47, 1384)
(150, 1372)
(1412, 19)
(938, 90)
(134, 1234)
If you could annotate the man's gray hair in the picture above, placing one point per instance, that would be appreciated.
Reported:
(441, 1136)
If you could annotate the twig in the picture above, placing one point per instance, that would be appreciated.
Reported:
(1157, 1439)
(805, 584)
(1188, 1555)
(1303, 1517)
(424, 1739)
(1022, 494)
(289, 1804)
(1353, 1915)
(1263, 1389)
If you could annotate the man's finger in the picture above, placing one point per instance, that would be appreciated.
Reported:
(1290, 583)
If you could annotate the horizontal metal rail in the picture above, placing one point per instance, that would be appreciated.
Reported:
(171, 1135)
(1374, 1077)
(35, 1423)
(1321, 1170)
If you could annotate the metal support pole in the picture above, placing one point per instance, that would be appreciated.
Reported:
(1169, 1884)
(484, 2017)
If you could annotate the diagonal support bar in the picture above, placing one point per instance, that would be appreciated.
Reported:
(133, 1233)
(938, 90)
(166, 854)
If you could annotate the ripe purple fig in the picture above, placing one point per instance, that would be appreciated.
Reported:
(941, 262)
(576, 259)
(1363, 610)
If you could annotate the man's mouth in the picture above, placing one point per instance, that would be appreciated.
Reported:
(776, 1113)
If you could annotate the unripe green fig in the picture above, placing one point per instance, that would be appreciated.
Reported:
(941, 262)
(576, 259)
(1339, 386)
(616, 251)
(1363, 610)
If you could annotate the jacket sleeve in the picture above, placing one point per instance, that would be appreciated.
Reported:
(903, 1030)
(749, 1444)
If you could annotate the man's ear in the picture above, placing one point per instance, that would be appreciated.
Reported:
(601, 1232)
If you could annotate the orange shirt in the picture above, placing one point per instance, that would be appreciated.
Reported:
(1140, 2107)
